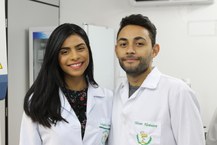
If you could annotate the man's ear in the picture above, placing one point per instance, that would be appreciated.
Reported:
(116, 49)
(156, 50)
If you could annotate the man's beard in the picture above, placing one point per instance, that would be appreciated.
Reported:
(141, 68)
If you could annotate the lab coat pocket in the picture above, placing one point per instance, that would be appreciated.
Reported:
(96, 132)
(146, 132)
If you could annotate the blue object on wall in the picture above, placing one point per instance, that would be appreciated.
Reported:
(3, 86)
(40, 35)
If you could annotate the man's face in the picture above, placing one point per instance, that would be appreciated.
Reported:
(134, 50)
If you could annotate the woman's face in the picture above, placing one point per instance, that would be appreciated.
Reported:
(74, 57)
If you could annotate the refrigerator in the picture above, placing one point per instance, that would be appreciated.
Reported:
(38, 37)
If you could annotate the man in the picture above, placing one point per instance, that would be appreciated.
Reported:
(150, 108)
(211, 138)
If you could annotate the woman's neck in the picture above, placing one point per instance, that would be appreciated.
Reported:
(76, 83)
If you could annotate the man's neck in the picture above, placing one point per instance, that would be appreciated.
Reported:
(139, 79)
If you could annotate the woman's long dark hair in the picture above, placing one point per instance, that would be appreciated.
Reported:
(42, 101)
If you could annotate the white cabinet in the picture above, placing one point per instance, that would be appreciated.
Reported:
(102, 42)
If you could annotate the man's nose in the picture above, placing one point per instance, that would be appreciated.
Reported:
(130, 49)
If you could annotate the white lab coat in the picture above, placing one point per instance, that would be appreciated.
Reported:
(163, 111)
(211, 138)
(99, 105)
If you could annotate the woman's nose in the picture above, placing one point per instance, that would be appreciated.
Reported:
(74, 55)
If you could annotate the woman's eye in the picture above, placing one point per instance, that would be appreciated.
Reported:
(80, 48)
(63, 51)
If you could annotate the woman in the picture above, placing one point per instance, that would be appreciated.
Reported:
(65, 106)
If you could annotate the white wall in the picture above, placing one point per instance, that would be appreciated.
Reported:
(22, 14)
(187, 35)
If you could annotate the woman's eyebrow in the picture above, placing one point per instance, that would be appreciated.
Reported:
(81, 44)
(64, 47)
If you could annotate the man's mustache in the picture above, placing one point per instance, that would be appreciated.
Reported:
(130, 57)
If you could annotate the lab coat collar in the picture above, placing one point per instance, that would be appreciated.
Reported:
(93, 93)
(152, 79)
(150, 82)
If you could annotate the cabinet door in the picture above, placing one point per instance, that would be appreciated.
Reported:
(102, 42)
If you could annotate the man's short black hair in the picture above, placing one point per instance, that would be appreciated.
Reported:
(140, 20)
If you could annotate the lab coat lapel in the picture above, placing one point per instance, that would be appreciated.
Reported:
(93, 95)
(66, 107)
(64, 102)
(123, 91)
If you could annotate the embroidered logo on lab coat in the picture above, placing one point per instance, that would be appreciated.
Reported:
(147, 132)
(143, 138)
(105, 132)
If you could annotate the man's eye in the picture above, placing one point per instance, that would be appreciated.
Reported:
(139, 44)
(123, 45)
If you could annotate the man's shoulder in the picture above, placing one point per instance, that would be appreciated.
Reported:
(173, 81)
